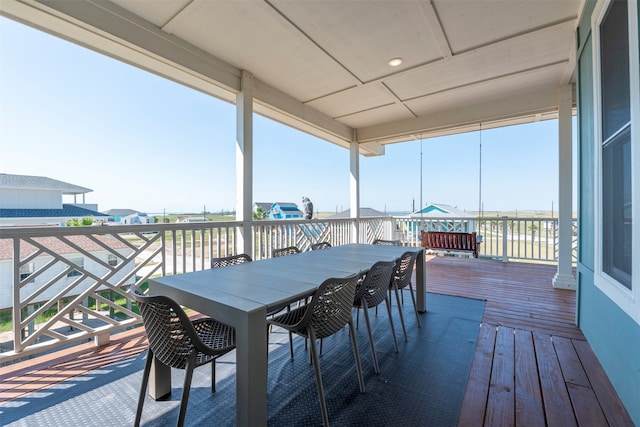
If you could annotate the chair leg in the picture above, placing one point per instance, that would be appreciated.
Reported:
(213, 376)
(404, 329)
(415, 306)
(356, 354)
(291, 345)
(186, 388)
(376, 367)
(316, 366)
(387, 302)
(143, 387)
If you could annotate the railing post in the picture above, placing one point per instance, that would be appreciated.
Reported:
(505, 243)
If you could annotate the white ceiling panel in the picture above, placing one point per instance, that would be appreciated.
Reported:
(391, 112)
(156, 12)
(499, 60)
(471, 24)
(252, 36)
(487, 91)
(354, 100)
(364, 35)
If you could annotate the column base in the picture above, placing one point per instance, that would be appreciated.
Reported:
(564, 281)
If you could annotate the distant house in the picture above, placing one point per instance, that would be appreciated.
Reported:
(37, 200)
(138, 218)
(442, 217)
(116, 215)
(190, 219)
(265, 207)
(281, 210)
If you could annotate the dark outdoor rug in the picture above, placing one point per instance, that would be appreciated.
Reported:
(422, 385)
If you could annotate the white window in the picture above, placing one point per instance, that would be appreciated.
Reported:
(112, 260)
(617, 124)
(27, 270)
(80, 263)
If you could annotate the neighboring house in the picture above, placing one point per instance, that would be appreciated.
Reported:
(281, 210)
(37, 200)
(441, 217)
(119, 252)
(139, 218)
(190, 219)
(608, 277)
(265, 207)
(116, 215)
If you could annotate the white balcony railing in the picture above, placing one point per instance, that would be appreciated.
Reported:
(61, 285)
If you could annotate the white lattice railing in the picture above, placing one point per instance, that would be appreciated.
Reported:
(60, 285)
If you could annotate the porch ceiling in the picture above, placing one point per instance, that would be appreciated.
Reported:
(322, 66)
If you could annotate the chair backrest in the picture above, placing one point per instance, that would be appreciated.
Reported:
(290, 250)
(387, 242)
(320, 245)
(330, 307)
(230, 260)
(373, 288)
(172, 337)
(404, 269)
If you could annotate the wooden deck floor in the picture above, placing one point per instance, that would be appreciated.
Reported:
(532, 365)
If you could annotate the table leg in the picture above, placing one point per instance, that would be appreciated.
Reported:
(421, 282)
(251, 369)
(159, 380)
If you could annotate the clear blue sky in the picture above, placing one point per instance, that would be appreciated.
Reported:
(145, 143)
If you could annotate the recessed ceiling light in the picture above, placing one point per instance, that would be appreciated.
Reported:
(395, 62)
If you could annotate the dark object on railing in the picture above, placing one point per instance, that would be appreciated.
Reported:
(180, 343)
(450, 241)
(308, 208)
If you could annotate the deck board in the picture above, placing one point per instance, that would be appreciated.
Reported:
(529, 410)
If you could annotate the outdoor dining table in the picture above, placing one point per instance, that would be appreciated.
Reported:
(241, 295)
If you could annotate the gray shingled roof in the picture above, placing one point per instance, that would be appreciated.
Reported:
(71, 211)
(121, 212)
(27, 182)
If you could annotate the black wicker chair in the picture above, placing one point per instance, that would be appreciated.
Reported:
(400, 280)
(230, 260)
(387, 242)
(320, 245)
(289, 250)
(327, 313)
(372, 291)
(180, 343)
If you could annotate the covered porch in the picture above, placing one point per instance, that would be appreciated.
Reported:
(323, 68)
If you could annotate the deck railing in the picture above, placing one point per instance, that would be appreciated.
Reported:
(62, 285)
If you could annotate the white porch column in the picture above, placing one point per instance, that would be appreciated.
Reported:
(354, 189)
(244, 163)
(564, 278)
